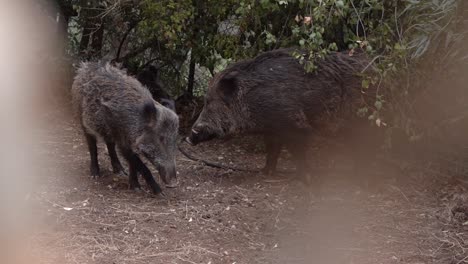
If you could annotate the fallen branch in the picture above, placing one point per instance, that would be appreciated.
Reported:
(220, 165)
(214, 164)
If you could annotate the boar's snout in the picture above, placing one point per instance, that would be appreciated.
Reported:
(199, 134)
(169, 175)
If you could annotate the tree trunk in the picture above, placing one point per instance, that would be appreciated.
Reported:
(93, 29)
(84, 43)
(191, 78)
(65, 12)
(196, 22)
(97, 37)
(85, 15)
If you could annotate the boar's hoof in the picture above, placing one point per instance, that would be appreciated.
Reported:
(95, 173)
(136, 189)
(119, 170)
(267, 171)
(172, 183)
(160, 195)
(121, 174)
(134, 185)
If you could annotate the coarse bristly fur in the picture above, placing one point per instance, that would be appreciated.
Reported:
(115, 107)
(272, 94)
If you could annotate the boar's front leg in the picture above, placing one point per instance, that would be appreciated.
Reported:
(146, 173)
(273, 148)
(92, 147)
(133, 183)
(136, 165)
(116, 165)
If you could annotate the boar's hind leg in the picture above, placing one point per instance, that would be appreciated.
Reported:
(298, 150)
(92, 147)
(136, 165)
(273, 149)
(116, 165)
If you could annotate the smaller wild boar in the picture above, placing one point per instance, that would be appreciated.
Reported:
(149, 77)
(274, 96)
(115, 107)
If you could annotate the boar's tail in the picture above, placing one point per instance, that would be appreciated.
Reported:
(220, 165)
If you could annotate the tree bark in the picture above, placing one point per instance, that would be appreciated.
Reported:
(97, 37)
(87, 28)
(93, 29)
(191, 78)
(65, 12)
(195, 34)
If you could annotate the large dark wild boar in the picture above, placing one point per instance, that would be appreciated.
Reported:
(115, 107)
(273, 95)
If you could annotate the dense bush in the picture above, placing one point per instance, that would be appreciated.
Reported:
(412, 42)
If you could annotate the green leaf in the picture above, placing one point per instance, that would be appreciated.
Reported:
(365, 84)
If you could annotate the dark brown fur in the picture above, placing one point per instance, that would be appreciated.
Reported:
(273, 95)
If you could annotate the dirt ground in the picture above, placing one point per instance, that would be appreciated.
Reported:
(219, 216)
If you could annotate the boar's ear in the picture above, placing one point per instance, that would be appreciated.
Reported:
(228, 86)
(149, 114)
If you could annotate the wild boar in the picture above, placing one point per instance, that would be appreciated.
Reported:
(273, 95)
(115, 107)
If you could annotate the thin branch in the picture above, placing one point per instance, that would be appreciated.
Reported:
(139, 50)
(122, 41)
(219, 165)
(283, 29)
(397, 26)
(359, 22)
(214, 164)
(149, 62)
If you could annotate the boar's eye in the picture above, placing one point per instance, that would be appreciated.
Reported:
(161, 138)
